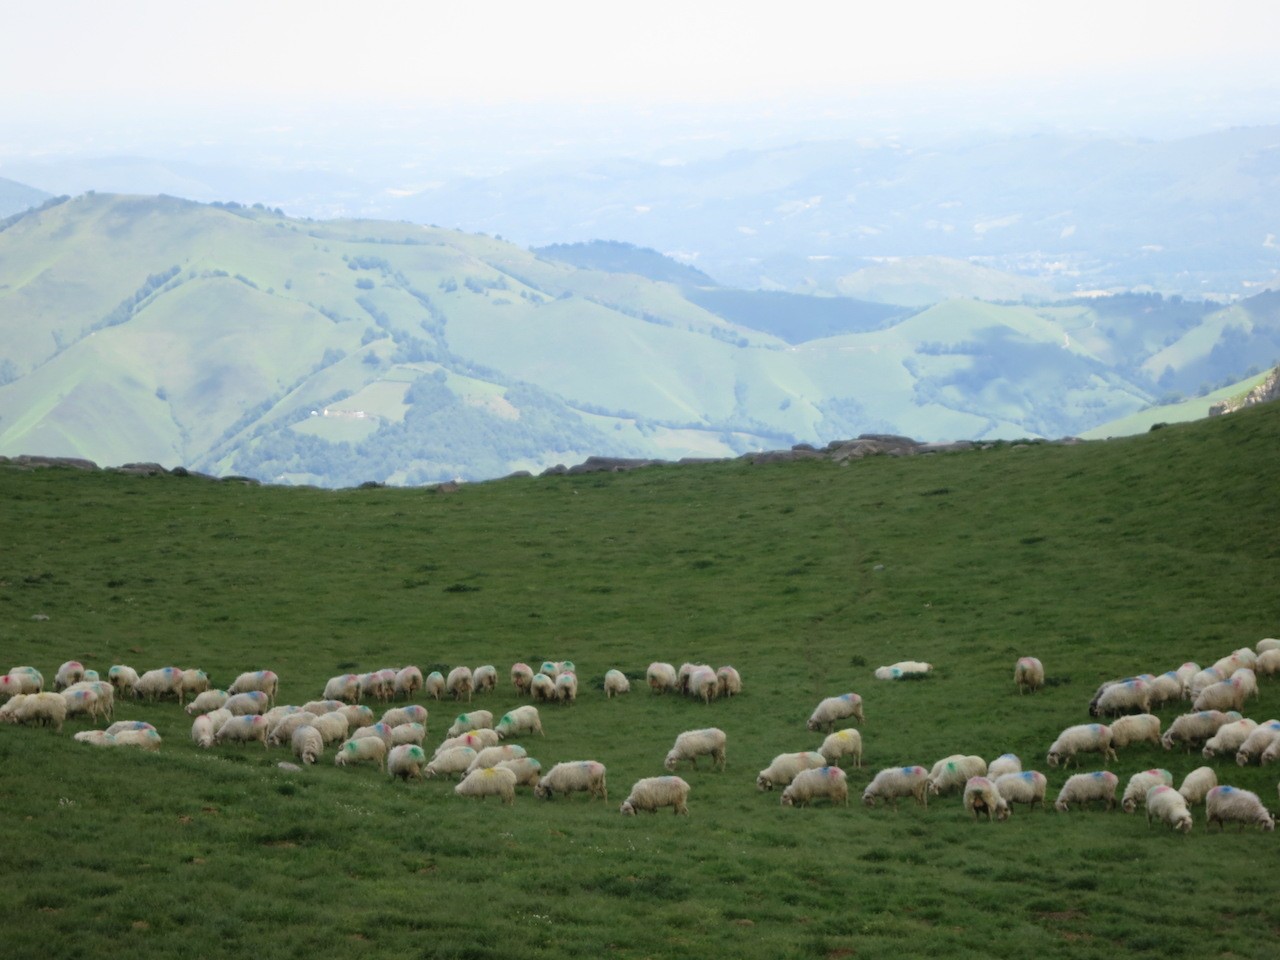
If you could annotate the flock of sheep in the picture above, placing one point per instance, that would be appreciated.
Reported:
(474, 749)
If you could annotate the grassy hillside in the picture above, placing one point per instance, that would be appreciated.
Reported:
(1102, 559)
(236, 340)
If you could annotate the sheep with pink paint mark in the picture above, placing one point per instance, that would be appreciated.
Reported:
(1225, 804)
(809, 785)
(1135, 791)
(1081, 738)
(1167, 805)
(829, 711)
(1083, 789)
(70, 672)
(981, 796)
(1127, 696)
(344, 687)
(893, 783)
(1224, 695)
(159, 683)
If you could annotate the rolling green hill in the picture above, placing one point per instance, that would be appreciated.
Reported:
(1102, 559)
(237, 340)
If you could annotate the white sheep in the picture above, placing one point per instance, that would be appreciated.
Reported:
(459, 683)
(476, 739)
(1229, 738)
(1028, 674)
(83, 702)
(98, 738)
(1265, 644)
(484, 679)
(981, 796)
(1202, 679)
(954, 772)
(840, 744)
(1193, 729)
(1083, 788)
(1185, 673)
(216, 717)
(1242, 806)
(283, 729)
(242, 704)
(698, 743)
(1241, 657)
(194, 681)
(492, 756)
(324, 706)
(489, 782)
(1135, 791)
(1168, 806)
(521, 677)
(1258, 743)
(543, 688)
(785, 766)
(1023, 786)
(1268, 664)
(122, 677)
(651, 793)
(410, 714)
(1081, 738)
(904, 670)
(161, 682)
(414, 733)
(308, 745)
(380, 730)
(434, 685)
(9, 709)
(518, 722)
(1248, 680)
(616, 682)
(895, 782)
(245, 728)
(142, 739)
(1127, 696)
(378, 685)
(1135, 728)
(32, 679)
(357, 715)
(702, 684)
(407, 761)
(826, 713)
(363, 749)
(332, 726)
(1197, 784)
(345, 687)
(1165, 687)
(451, 761)
(661, 677)
(1223, 695)
(567, 687)
(206, 701)
(527, 770)
(471, 720)
(264, 681)
(549, 669)
(728, 682)
(70, 672)
(829, 782)
(1005, 763)
(408, 681)
(120, 725)
(202, 731)
(586, 776)
(45, 709)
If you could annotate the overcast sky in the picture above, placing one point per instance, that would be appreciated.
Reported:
(603, 50)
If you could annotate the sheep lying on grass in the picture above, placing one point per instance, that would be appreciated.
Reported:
(1084, 788)
(831, 709)
(651, 793)
(1241, 806)
(981, 796)
(1168, 806)
(808, 785)
(904, 670)
(1135, 791)
(785, 766)
(698, 743)
(489, 782)
(894, 782)
(575, 776)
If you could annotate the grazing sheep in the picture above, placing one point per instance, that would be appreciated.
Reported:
(242, 704)
(279, 713)
(1229, 738)
(9, 710)
(489, 782)
(45, 709)
(1242, 806)
(1185, 673)
(194, 681)
(520, 721)
(527, 770)
(981, 796)
(1135, 792)
(476, 739)
(1005, 763)
(1242, 657)
(471, 720)
(829, 782)
(332, 726)
(162, 682)
(122, 678)
(785, 766)
(408, 681)
(324, 706)
(521, 677)
(702, 684)
(345, 687)
(954, 771)
(1259, 743)
(207, 701)
(357, 715)
(413, 733)
(70, 672)
(380, 730)
(1127, 696)
(1082, 738)
(684, 673)
(894, 782)
(363, 749)
(450, 761)
(1265, 644)
(1168, 806)
(1248, 680)
(549, 669)
(308, 744)
(142, 739)
(728, 682)
(83, 702)
(1024, 786)
(904, 669)
(15, 686)
(1028, 674)
(459, 684)
(842, 743)
(1202, 680)
(202, 731)
(434, 685)
(567, 687)
(492, 756)
(698, 743)
(264, 681)
(1223, 695)
(406, 761)
(616, 682)
(1193, 729)
(830, 710)
(661, 677)
(284, 727)
(1165, 687)
(650, 793)
(1084, 788)
(30, 676)
(543, 688)
(1197, 784)
(1268, 664)
(216, 717)
(243, 729)
(410, 714)
(586, 776)
(484, 679)
(1135, 728)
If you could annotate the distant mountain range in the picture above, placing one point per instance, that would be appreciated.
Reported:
(234, 339)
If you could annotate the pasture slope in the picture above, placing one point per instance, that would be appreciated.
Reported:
(1103, 559)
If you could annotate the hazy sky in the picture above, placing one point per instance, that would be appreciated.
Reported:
(64, 52)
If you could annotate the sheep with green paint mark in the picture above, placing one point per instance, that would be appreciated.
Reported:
(489, 782)
(407, 762)
(567, 687)
(520, 721)
(652, 793)
(1135, 791)
(471, 720)
(365, 750)
(904, 670)
(829, 782)
(954, 772)
(142, 739)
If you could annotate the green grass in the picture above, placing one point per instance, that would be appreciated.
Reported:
(1101, 559)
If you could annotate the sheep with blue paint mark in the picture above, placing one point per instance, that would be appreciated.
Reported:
(786, 766)
(1127, 696)
(1083, 789)
(245, 728)
(1167, 805)
(1226, 803)
(832, 709)
(1005, 763)
(251, 701)
(1022, 786)
(1135, 791)
(344, 687)
(652, 793)
(1224, 695)
(142, 739)
(1192, 730)
(380, 730)
(1229, 738)
(829, 782)
(410, 714)
(904, 670)
(1081, 738)
(893, 783)
(158, 683)
(263, 681)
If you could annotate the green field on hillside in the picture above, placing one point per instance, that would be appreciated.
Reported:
(1103, 559)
